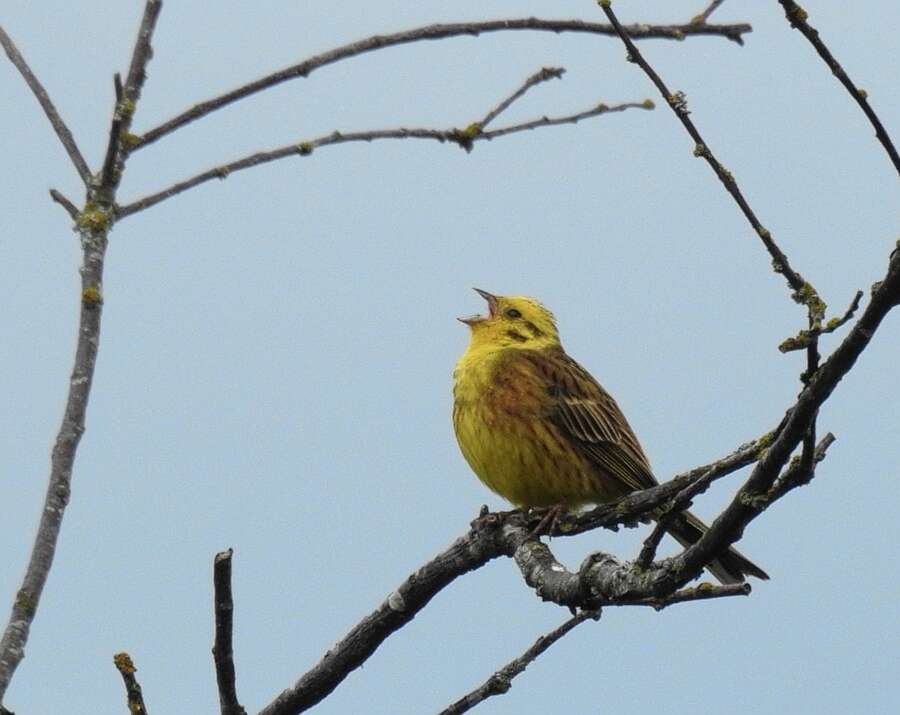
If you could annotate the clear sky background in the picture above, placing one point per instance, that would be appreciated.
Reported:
(275, 365)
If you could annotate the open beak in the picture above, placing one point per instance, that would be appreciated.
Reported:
(492, 308)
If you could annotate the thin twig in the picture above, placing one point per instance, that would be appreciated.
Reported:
(797, 17)
(683, 499)
(500, 682)
(125, 666)
(70, 208)
(59, 126)
(542, 75)
(732, 32)
(461, 137)
(703, 592)
(652, 542)
(803, 291)
(800, 472)
(222, 651)
(93, 225)
(649, 500)
(114, 142)
(701, 17)
(127, 96)
(803, 339)
(678, 504)
(567, 119)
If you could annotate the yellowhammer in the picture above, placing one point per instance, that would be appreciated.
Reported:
(540, 431)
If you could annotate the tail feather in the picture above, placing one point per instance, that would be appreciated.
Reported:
(730, 567)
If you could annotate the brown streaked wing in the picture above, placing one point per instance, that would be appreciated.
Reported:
(591, 420)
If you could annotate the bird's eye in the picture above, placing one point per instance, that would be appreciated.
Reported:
(512, 313)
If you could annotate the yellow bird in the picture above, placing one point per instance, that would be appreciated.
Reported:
(539, 431)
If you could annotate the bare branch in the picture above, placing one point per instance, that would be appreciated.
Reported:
(464, 138)
(683, 499)
(803, 292)
(805, 337)
(59, 126)
(701, 17)
(127, 96)
(566, 119)
(702, 592)
(797, 16)
(125, 666)
(500, 682)
(467, 553)
(602, 580)
(543, 75)
(433, 32)
(754, 496)
(222, 651)
(93, 225)
(799, 473)
(492, 535)
(115, 132)
(636, 505)
(70, 208)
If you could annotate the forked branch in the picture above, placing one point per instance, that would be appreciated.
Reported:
(677, 101)
(464, 138)
(93, 225)
(492, 535)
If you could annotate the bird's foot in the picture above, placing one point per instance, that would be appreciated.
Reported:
(548, 523)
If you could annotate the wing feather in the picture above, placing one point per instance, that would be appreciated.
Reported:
(588, 418)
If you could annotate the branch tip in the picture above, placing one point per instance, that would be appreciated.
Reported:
(126, 668)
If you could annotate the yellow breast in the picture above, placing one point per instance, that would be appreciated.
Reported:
(500, 418)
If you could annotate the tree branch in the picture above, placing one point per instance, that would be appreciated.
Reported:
(492, 535)
(797, 17)
(805, 337)
(59, 126)
(69, 207)
(733, 32)
(701, 17)
(542, 75)
(222, 651)
(678, 103)
(632, 507)
(93, 225)
(702, 592)
(127, 96)
(125, 666)
(800, 472)
(500, 682)
(464, 138)
(602, 580)
(754, 496)
(467, 553)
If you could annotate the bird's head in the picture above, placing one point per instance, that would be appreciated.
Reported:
(513, 321)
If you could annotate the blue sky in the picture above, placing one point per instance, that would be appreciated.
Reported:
(274, 372)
